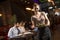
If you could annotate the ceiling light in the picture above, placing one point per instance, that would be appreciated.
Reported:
(0, 14)
(32, 10)
(28, 9)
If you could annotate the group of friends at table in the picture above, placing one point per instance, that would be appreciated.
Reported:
(39, 25)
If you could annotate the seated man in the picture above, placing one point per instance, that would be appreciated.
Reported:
(14, 31)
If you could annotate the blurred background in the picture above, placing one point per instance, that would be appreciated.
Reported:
(17, 10)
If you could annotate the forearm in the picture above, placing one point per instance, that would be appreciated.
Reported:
(48, 22)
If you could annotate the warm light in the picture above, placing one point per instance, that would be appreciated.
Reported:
(32, 10)
(28, 9)
(49, 0)
(0, 14)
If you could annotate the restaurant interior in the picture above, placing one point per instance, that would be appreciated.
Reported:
(18, 10)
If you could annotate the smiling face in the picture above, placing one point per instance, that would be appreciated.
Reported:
(36, 8)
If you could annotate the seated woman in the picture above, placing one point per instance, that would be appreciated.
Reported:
(21, 27)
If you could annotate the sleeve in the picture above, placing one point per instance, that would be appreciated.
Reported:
(36, 29)
(10, 33)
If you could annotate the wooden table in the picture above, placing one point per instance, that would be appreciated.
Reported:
(24, 36)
